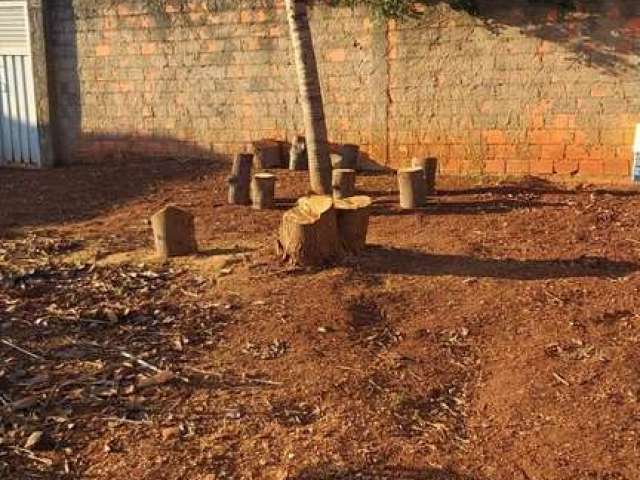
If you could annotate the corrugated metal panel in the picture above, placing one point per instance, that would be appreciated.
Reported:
(14, 28)
(19, 142)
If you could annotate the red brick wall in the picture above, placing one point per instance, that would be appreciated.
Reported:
(519, 90)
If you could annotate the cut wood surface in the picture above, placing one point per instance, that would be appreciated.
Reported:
(173, 232)
(353, 222)
(263, 189)
(309, 232)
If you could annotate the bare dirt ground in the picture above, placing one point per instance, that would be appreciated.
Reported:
(493, 335)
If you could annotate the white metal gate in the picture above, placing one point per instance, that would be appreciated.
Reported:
(19, 142)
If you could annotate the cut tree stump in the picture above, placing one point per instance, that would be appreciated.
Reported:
(263, 188)
(309, 232)
(344, 183)
(353, 222)
(240, 179)
(298, 159)
(336, 160)
(429, 168)
(350, 154)
(412, 187)
(174, 232)
(267, 154)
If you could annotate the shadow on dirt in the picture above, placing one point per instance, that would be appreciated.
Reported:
(397, 473)
(82, 192)
(384, 208)
(384, 260)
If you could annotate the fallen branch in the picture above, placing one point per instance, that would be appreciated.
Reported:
(22, 350)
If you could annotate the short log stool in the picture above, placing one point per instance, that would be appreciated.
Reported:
(174, 232)
(412, 188)
(263, 188)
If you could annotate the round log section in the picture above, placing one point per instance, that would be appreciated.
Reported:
(173, 232)
(309, 233)
(267, 154)
(350, 154)
(240, 179)
(298, 159)
(263, 189)
(429, 168)
(353, 222)
(344, 183)
(412, 188)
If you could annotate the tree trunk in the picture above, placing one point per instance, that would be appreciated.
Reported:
(263, 189)
(240, 179)
(353, 222)
(309, 233)
(344, 183)
(310, 97)
(412, 187)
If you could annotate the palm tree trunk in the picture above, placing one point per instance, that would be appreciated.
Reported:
(310, 97)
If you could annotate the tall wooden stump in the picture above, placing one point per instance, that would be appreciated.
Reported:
(353, 222)
(298, 159)
(344, 183)
(263, 189)
(350, 154)
(267, 154)
(429, 168)
(412, 188)
(336, 160)
(174, 232)
(240, 179)
(309, 232)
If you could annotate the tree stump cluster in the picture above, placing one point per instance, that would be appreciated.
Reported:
(416, 182)
(244, 189)
(320, 230)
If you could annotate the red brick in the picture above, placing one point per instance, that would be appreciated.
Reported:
(549, 137)
(543, 166)
(566, 166)
(518, 167)
(495, 166)
(501, 151)
(103, 50)
(149, 48)
(552, 152)
(336, 55)
(562, 121)
(591, 167)
(617, 166)
(494, 137)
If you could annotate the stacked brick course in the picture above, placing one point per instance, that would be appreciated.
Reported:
(518, 91)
